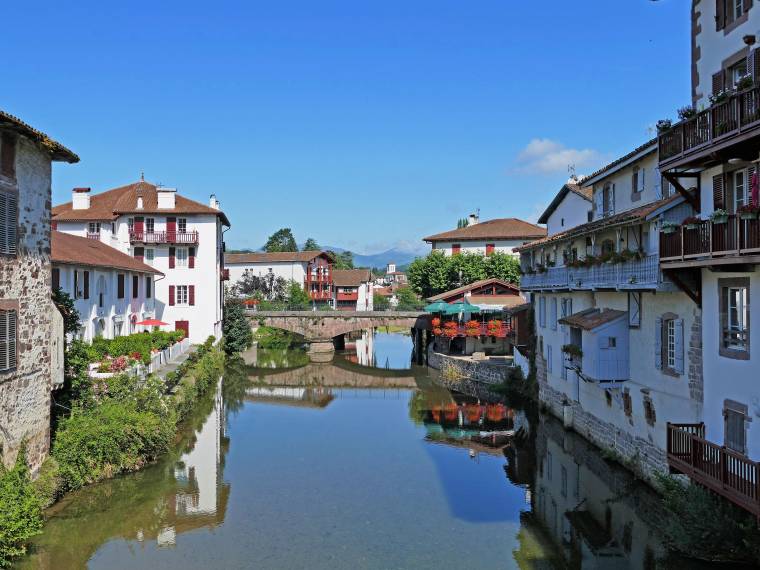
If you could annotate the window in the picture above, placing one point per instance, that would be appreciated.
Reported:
(635, 180)
(130, 224)
(150, 255)
(56, 278)
(182, 225)
(670, 343)
(735, 417)
(563, 475)
(182, 295)
(736, 72)
(589, 247)
(120, 286)
(8, 222)
(611, 342)
(553, 314)
(113, 227)
(562, 222)
(608, 246)
(740, 189)
(590, 216)
(627, 403)
(7, 340)
(735, 314)
(456, 248)
(738, 11)
(608, 199)
(542, 312)
(135, 286)
(669, 352)
(150, 225)
(8, 155)
(93, 228)
(649, 414)
(634, 309)
(77, 291)
(181, 257)
(148, 287)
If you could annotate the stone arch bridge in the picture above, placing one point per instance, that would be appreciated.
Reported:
(320, 328)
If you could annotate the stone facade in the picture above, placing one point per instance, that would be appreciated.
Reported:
(25, 287)
(457, 367)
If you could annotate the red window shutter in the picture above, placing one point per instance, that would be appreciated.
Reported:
(171, 228)
(171, 295)
(191, 294)
(747, 5)
(719, 195)
(720, 14)
(139, 254)
(53, 225)
(139, 224)
(171, 258)
(718, 81)
(191, 257)
(456, 248)
(86, 284)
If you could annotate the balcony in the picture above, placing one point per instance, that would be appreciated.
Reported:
(318, 278)
(633, 274)
(735, 237)
(95, 235)
(728, 122)
(730, 474)
(186, 238)
(348, 296)
(501, 331)
(320, 295)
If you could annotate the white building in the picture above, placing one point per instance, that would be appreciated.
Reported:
(310, 269)
(352, 289)
(483, 238)
(619, 346)
(112, 291)
(179, 237)
(717, 151)
(571, 207)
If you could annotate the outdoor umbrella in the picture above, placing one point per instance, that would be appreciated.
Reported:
(151, 323)
(437, 307)
(461, 307)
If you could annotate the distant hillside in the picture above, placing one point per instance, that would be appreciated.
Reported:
(400, 257)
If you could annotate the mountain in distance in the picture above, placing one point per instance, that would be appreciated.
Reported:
(401, 257)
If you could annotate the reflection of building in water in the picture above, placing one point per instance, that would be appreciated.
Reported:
(360, 347)
(590, 507)
(308, 396)
(201, 497)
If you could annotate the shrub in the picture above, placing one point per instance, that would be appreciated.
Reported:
(20, 511)
(108, 439)
(237, 331)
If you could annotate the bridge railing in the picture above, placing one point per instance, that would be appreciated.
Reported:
(327, 310)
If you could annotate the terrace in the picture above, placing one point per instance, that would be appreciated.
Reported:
(190, 238)
(705, 242)
(632, 274)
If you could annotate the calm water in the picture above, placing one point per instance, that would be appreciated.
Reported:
(363, 463)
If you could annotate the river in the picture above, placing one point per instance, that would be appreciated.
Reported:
(367, 462)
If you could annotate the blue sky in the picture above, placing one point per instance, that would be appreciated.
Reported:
(363, 124)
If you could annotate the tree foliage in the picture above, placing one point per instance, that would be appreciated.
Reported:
(265, 287)
(408, 300)
(281, 240)
(438, 273)
(20, 511)
(297, 297)
(236, 329)
(311, 245)
(342, 260)
(380, 302)
(65, 305)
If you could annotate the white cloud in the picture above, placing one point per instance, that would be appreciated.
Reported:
(550, 157)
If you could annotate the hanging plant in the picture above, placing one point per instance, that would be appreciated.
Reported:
(670, 227)
(436, 322)
(749, 212)
(687, 112)
(692, 222)
(719, 216)
(572, 350)
(664, 125)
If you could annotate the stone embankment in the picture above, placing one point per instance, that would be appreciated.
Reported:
(463, 367)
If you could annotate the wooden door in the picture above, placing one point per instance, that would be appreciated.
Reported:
(184, 326)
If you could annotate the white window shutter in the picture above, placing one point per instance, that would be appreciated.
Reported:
(553, 314)
(679, 345)
(4, 340)
(642, 185)
(599, 202)
(612, 200)
(658, 344)
(549, 357)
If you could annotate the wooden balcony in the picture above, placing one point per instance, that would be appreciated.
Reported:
(633, 274)
(483, 330)
(180, 238)
(709, 240)
(320, 295)
(95, 235)
(731, 121)
(730, 474)
(354, 296)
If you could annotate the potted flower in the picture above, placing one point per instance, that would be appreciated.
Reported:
(669, 227)
(437, 331)
(572, 350)
(745, 82)
(663, 125)
(687, 112)
(435, 321)
(719, 97)
(472, 328)
(749, 212)
(692, 222)
(719, 216)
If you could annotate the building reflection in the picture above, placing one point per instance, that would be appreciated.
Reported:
(360, 347)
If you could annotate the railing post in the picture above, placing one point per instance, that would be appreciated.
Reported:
(723, 466)
(668, 443)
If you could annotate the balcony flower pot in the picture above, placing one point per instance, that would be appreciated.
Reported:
(719, 217)
(687, 112)
(572, 350)
(749, 212)
(669, 228)
(663, 125)
(692, 222)
(748, 215)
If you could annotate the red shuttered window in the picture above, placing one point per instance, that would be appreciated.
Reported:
(171, 295)
(191, 258)
(191, 295)
(172, 257)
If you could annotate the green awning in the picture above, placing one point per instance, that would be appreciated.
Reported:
(461, 307)
(437, 307)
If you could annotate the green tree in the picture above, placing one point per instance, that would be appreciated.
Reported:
(236, 329)
(437, 272)
(380, 302)
(342, 260)
(297, 297)
(20, 511)
(281, 240)
(408, 300)
(311, 245)
(65, 305)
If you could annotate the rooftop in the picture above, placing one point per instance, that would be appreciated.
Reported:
(351, 277)
(273, 257)
(110, 204)
(500, 228)
(75, 250)
(646, 148)
(475, 285)
(57, 150)
(592, 318)
(584, 192)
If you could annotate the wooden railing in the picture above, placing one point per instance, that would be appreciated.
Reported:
(736, 114)
(320, 295)
(93, 235)
(163, 237)
(710, 239)
(728, 473)
(633, 274)
(482, 330)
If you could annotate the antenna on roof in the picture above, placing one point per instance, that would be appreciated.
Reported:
(571, 170)
(142, 176)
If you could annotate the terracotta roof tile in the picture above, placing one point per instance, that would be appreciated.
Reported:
(56, 149)
(75, 250)
(633, 214)
(506, 301)
(592, 318)
(110, 204)
(500, 228)
(475, 285)
(273, 257)
(351, 277)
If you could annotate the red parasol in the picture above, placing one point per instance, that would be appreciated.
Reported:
(151, 323)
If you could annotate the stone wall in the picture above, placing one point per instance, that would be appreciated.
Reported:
(453, 367)
(25, 287)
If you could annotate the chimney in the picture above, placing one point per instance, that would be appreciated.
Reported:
(473, 219)
(80, 198)
(166, 197)
(213, 202)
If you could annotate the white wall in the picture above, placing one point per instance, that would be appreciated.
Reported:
(479, 246)
(289, 270)
(728, 378)
(623, 182)
(571, 212)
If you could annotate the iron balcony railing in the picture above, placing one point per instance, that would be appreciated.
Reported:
(728, 473)
(189, 238)
(737, 114)
(711, 239)
(632, 274)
